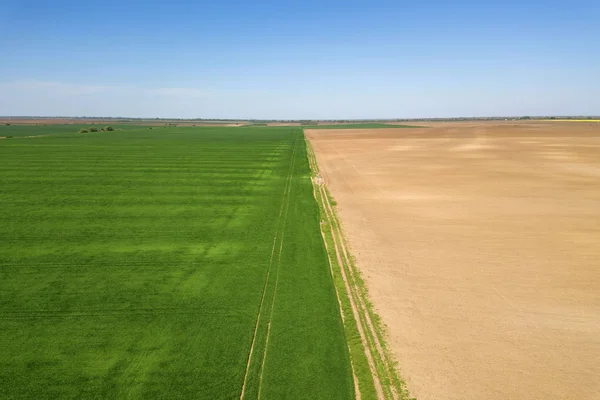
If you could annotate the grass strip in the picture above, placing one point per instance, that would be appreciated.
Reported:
(392, 386)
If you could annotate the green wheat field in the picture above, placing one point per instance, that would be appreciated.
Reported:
(165, 263)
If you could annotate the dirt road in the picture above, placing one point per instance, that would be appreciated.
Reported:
(480, 245)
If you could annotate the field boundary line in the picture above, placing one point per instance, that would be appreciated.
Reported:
(388, 384)
(361, 303)
(376, 332)
(356, 309)
(318, 197)
(373, 350)
(280, 224)
(322, 199)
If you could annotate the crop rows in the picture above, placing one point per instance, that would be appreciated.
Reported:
(150, 263)
(22, 131)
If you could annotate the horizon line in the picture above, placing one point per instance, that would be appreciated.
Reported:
(522, 117)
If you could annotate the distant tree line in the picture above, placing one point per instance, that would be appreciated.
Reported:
(174, 121)
(93, 129)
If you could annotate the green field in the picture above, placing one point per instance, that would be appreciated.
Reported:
(36, 130)
(170, 263)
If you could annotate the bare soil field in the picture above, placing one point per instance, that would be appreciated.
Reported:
(480, 246)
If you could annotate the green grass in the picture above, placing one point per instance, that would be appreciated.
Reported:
(35, 130)
(133, 264)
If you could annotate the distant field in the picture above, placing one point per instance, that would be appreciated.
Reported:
(168, 263)
(35, 130)
(356, 126)
(576, 120)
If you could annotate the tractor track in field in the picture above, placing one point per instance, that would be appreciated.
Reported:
(287, 207)
(356, 309)
(279, 233)
(387, 384)
(337, 294)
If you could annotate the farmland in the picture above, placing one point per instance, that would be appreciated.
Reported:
(44, 130)
(165, 263)
(478, 242)
(213, 262)
(371, 125)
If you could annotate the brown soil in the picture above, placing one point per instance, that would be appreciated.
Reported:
(479, 245)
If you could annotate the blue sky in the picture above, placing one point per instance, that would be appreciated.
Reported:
(299, 59)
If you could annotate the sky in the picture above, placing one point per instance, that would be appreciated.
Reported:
(338, 59)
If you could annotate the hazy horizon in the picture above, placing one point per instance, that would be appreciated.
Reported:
(208, 119)
(308, 60)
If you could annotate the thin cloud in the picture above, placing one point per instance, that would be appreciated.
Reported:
(186, 92)
(78, 89)
(58, 87)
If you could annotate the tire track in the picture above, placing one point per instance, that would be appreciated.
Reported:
(387, 383)
(393, 386)
(317, 181)
(356, 308)
(280, 226)
(354, 377)
(368, 321)
(260, 379)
